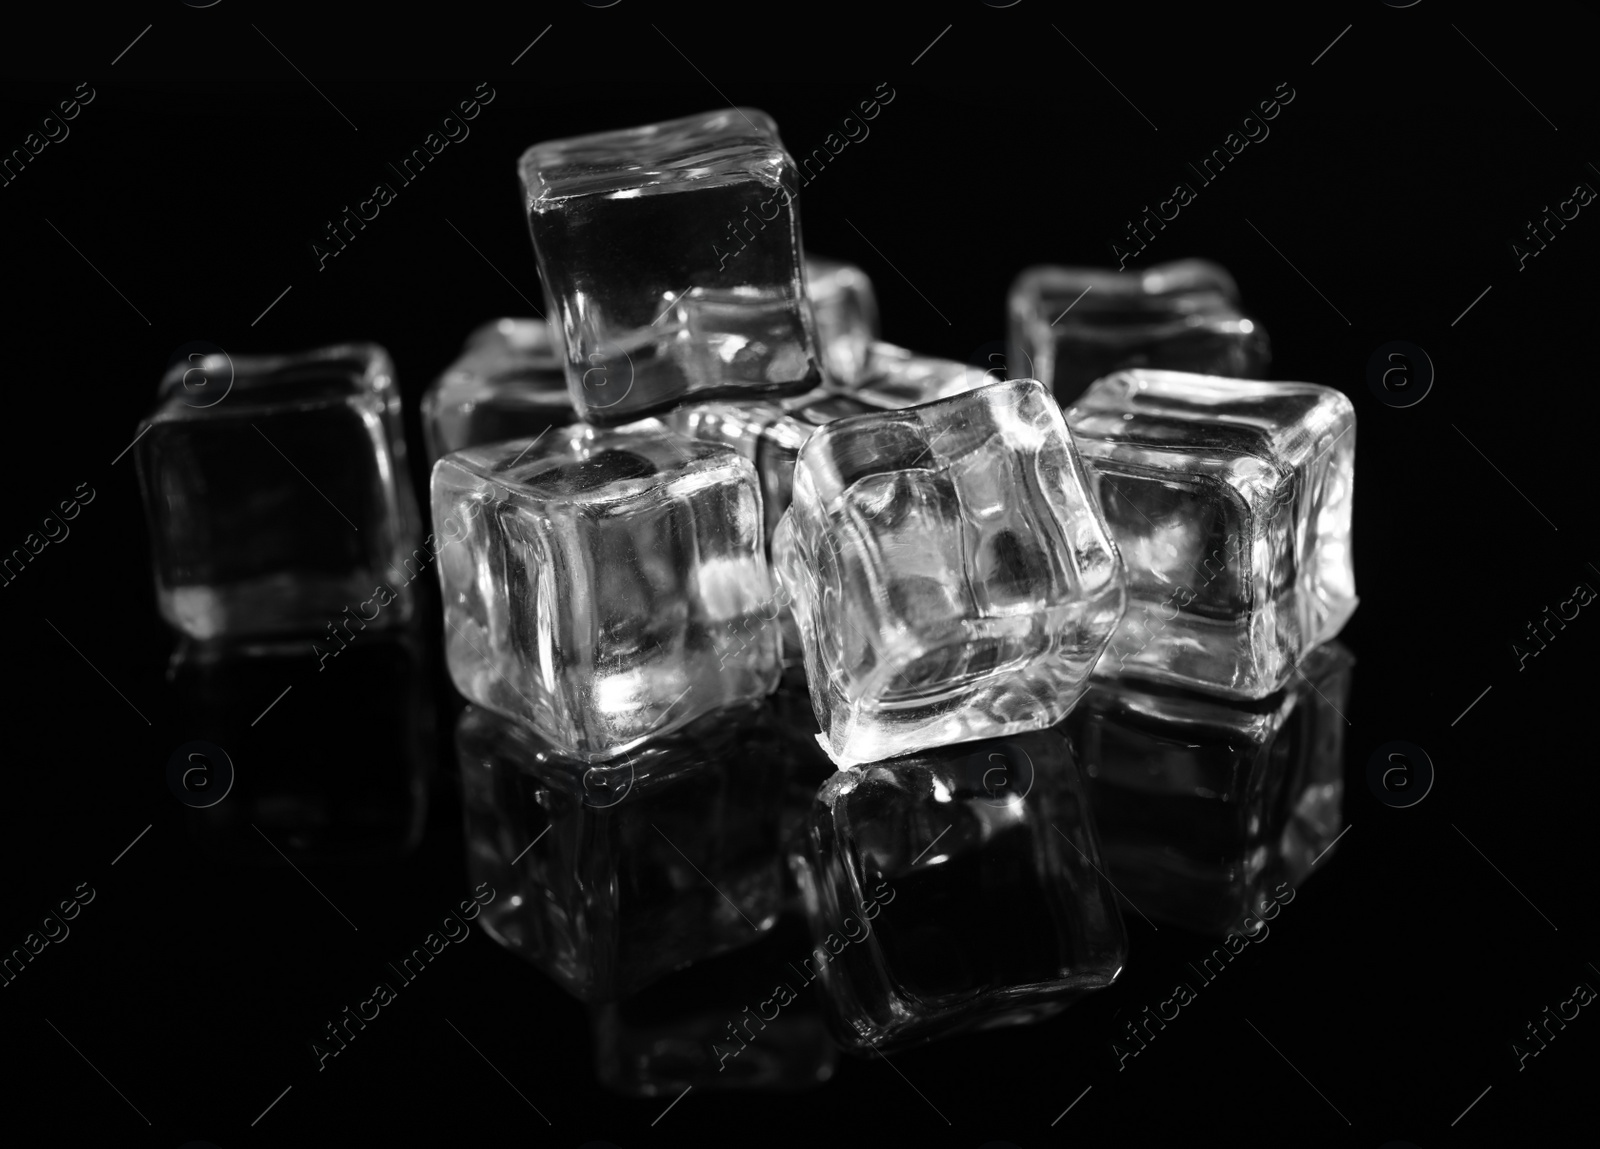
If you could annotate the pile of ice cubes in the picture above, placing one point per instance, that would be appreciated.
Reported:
(705, 489)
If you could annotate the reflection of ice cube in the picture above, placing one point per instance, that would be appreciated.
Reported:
(510, 382)
(671, 257)
(1076, 324)
(846, 311)
(277, 506)
(1210, 810)
(609, 878)
(355, 792)
(1230, 502)
(950, 575)
(607, 586)
(957, 889)
(743, 1020)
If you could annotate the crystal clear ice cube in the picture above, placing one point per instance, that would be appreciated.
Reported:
(957, 889)
(1211, 810)
(281, 499)
(1230, 502)
(951, 576)
(1071, 325)
(510, 382)
(846, 312)
(607, 877)
(606, 586)
(671, 256)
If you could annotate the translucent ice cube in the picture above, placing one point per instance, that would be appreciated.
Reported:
(1071, 325)
(957, 889)
(1209, 811)
(283, 499)
(846, 311)
(1230, 502)
(509, 383)
(671, 255)
(607, 586)
(951, 576)
(609, 877)
(897, 378)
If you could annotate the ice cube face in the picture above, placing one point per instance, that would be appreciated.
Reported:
(846, 312)
(1071, 325)
(742, 1020)
(951, 576)
(607, 877)
(605, 586)
(957, 889)
(1230, 502)
(510, 382)
(281, 500)
(671, 255)
(1210, 812)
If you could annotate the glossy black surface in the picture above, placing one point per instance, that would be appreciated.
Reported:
(1396, 984)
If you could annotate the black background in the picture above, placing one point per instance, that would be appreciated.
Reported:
(1395, 181)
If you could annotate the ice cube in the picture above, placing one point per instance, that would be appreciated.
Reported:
(846, 311)
(510, 382)
(957, 888)
(282, 499)
(951, 576)
(1230, 503)
(671, 257)
(1210, 811)
(1071, 325)
(742, 1020)
(607, 877)
(897, 378)
(606, 586)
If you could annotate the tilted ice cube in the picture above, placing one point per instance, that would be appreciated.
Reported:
(1210, 811)
(1230, 502)
(671, 257)
(607, 877)
(955, 889)
(1071, 325)
(950, 574)
(771, 432)
(276, 491)
(510, 382)
(606, 586)
(846, 311)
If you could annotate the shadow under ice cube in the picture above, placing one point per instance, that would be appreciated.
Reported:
(1230, 502)
(605, 586)
(1071, 325)
(949, 572)
(957, 889)
(1210, 810)
(609, 877)
(285, 500)
(671, 258)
